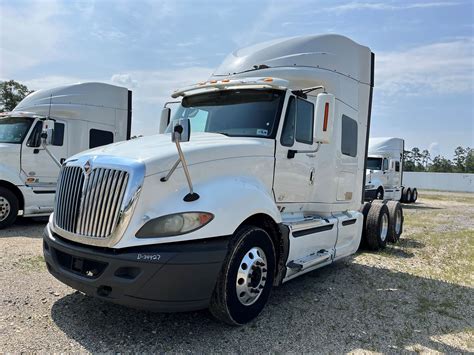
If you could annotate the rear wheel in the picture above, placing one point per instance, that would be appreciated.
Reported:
(406, 195)
(414, 195)
(244, 284)
(8, 207)
(377, 226)
(395, 221)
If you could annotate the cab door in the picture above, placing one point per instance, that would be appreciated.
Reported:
(294, 155)
(36, 162)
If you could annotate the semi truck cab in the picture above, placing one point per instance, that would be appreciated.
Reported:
(256, 178)
(83, 116)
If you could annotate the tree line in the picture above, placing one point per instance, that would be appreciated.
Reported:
(420, 160)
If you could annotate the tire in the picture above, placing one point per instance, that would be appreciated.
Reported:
(414, 195)
(229, 306)
(377, 226)
(8, 207)
(406, 195)
(395, 221)
(379, 194)
(364, 209)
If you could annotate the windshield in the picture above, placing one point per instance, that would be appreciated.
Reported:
(374, 163)
(14, 129)
(236, 113)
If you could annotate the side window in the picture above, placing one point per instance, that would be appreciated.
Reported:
(288, 133)
(349, 136)
(34, 140)
(304, 121)
(58, 138)
(98, 137)
(385, 164)
(397, 166)
(298, 122)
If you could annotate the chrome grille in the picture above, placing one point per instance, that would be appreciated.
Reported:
(89, 206)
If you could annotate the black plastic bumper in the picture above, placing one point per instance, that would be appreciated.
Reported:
(370, 195)
(164, 278)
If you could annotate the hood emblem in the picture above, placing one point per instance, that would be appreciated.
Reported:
(87, 167)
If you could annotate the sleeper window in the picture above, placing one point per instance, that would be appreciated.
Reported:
(58, 137)
(98, 137)
(397, 166)
(349, 136)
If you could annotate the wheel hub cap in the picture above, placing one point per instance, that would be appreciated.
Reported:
(4, 208)
(251, 276)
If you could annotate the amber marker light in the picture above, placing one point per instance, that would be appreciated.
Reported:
(326, 116)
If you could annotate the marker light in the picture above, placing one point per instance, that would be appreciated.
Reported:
(225, 80)
(174, 224)
(326, 116)
(213, 81)
(268, 80)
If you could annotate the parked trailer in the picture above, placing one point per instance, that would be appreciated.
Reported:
(262, 181)
(83, 116)
(384, 173)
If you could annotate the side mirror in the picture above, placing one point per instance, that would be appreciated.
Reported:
(47, 133)
(165, 119)
(181, 130)
(324, 118)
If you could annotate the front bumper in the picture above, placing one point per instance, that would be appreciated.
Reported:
(164, 278)
(370, 195)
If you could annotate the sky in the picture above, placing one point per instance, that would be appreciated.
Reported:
(424, 72)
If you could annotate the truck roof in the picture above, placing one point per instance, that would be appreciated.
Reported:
(63, 99)
(329, 51)
(386, 146)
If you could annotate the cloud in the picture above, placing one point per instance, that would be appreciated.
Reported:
(29, 35)
(385, 6)
(434, 149)
(445, 67)
(125, 80)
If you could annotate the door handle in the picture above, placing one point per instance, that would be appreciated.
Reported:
(311, 176)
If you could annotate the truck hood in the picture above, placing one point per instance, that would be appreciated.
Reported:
(159, 153)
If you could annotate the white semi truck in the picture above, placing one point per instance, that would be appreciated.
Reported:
(257, 179)
(384, 174)
(83, 116)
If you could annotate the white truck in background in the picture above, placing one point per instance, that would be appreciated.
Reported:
(384, 173)
(257, 179)
(84, 116)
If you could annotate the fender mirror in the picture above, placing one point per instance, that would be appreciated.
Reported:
(47, 132)
(181, 130)
(324, 118)
(165, 119)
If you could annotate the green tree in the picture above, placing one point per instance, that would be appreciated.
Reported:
(425, 157)
(469, 162)
(441, 165)
(11, 93)
(459, 159)
(408, 164)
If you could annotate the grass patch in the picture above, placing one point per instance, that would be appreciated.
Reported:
(449, 197)
(33, 263)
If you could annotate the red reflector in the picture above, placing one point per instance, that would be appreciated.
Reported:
(326, 116)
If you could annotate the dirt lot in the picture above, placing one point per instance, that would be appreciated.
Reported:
(417, 296)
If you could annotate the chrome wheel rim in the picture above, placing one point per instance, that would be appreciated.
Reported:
(398, 222)
(384, 227)
(251, 276)
(379, 195)
(4, 208)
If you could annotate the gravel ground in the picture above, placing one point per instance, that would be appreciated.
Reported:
(413, 297)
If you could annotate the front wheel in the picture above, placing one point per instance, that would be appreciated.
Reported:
(8, 207)
(244, 284)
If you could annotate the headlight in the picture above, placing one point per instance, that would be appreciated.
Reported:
(174, 224)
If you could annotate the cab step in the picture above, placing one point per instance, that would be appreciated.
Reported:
(310, 260)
